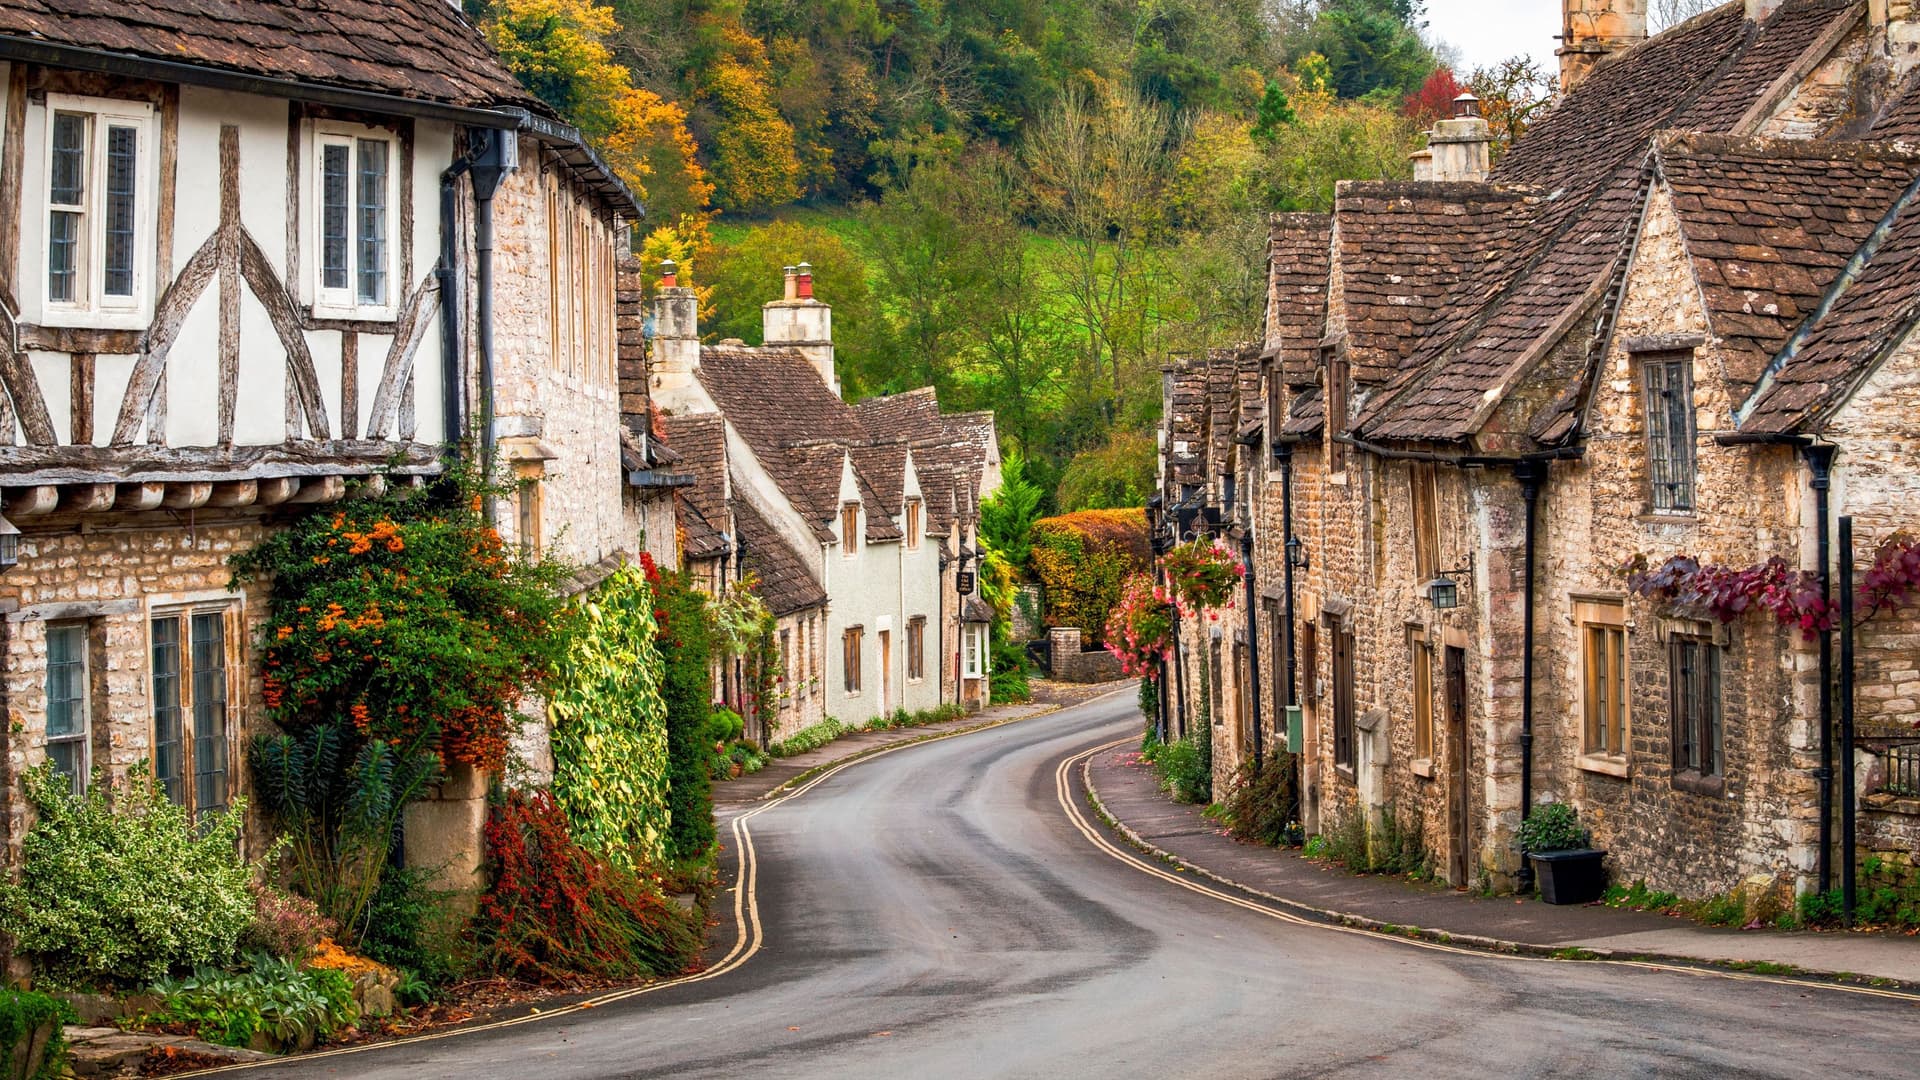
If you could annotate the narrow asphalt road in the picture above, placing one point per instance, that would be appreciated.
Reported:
(933, 913)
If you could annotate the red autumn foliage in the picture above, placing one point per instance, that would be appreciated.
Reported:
(1434, 100)
(560, 915)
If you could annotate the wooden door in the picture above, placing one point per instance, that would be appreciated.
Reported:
(1459, 818)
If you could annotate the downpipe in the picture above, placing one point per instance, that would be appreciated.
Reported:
(1253, 647)
(1848, 799)
(1819, 458)
(1530, 473)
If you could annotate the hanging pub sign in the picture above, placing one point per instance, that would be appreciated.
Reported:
(963, 582)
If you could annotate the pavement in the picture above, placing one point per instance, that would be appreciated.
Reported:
(951, 910)
(1126, 790)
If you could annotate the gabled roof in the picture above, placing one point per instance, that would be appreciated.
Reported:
(785, 583)
(1587, 154)
(798, 428)
(701, 442)
(421, 49)
(1299, 250)
(1769, 223)
(950, 450)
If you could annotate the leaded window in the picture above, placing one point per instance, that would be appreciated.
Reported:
(1670, 433)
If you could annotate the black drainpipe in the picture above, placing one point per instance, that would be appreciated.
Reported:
(1820, 463)
(1286, 562)
(1847, 800)
(495, 154)
(1179, 682)
(1253, 645)
(1530, 473)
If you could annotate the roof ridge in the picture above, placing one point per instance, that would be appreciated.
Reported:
(1769, 147)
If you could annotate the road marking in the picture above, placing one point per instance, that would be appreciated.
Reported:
(748, 938)
(1086, 828)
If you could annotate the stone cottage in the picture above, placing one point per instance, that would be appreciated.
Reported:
(1674, 319)
(876, 504)
(244, 271)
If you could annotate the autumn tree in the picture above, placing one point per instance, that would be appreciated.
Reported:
(1513, 93)
(1331, 140)
(744, 270)
(558, 49)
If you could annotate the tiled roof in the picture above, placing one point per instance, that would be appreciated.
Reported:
(1899, 119)
(1769, 222)
(1404, 250)
(1299, 249)
(1306, 413)
(884, 466)
(950, 450)
(1868, 320)
(701, 442)
(1587, 154)
(785, 583)
(420, 49)
(797, 427)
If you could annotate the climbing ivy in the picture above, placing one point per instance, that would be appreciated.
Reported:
(609, 726)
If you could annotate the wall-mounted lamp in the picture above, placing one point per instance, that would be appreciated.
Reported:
(1443, 591)
(9, 545)
(1296, 553)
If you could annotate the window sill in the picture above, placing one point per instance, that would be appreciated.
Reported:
(1662, 517)
(58, 318)
(1602, 764)
(1423, 768)
(1347, 772)
(1695, 784)
(340, 314)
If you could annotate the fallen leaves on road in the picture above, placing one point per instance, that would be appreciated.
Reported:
(881, 1034)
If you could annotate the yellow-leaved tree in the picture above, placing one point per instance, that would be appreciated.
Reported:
(754, 162)
(558, 49)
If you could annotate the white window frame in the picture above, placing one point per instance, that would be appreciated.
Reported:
(345, 303)
(975, 652)
(91, 306)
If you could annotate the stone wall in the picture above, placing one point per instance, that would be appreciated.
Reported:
(1072, 665)
(113, 575)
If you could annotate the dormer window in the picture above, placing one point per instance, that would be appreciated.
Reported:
(99, 213)
(850, 529)
(913, 523)
(356, 188)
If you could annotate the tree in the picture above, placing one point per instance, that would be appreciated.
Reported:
(1513, 93)
(1666, 14)
(1369, 45)
(933, 270)
(1007, 516)
(558, 49)
(1116, 475)
(745, 271)
(1434, 100)
(1332, 140)
(755, 165)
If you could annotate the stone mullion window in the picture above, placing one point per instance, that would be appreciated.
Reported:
(69, 705)
(1670, 433)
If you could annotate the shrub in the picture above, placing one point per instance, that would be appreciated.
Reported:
(120, 885)
(1185, 769)
(406, 928)
(1393, 849)
(686, 688)
(406, 613)
(1553, 826)
(725, 725)
(809, 738)
(337, 803)
(1082, 560)
(276, 1001)
(1261, 806)
(558, 913)
(286, 925)
(610, 745)
(22, 1015)
(1011, 669)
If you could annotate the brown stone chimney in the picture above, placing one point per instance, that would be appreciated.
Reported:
(1895, 28)
(1590, 29)
(1459, 147)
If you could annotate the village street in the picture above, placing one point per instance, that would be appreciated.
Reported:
(934, 912)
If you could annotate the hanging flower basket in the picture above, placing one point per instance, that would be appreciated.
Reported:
(1201, 574)
(1140, 629)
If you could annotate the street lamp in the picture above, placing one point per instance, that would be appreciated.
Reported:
(1296, 553)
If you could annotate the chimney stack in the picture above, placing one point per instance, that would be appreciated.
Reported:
(1593, 28)
(676, 336)
(798, 321)
(1459, 148)
(1758, 10)
(1894, 26)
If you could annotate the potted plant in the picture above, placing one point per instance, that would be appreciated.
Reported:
(1567, 868)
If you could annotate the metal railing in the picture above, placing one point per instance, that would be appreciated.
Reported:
(1903, 769)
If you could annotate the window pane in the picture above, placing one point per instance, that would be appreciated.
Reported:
(67, 185)
(333, 217)
(209, 712)
(168, 762)
(66, 680)
(123, 144)
(373, 221)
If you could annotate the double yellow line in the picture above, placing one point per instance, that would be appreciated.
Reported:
(1099, 840)
(749, 935)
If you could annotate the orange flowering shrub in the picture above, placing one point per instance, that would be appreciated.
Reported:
(408, 618)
